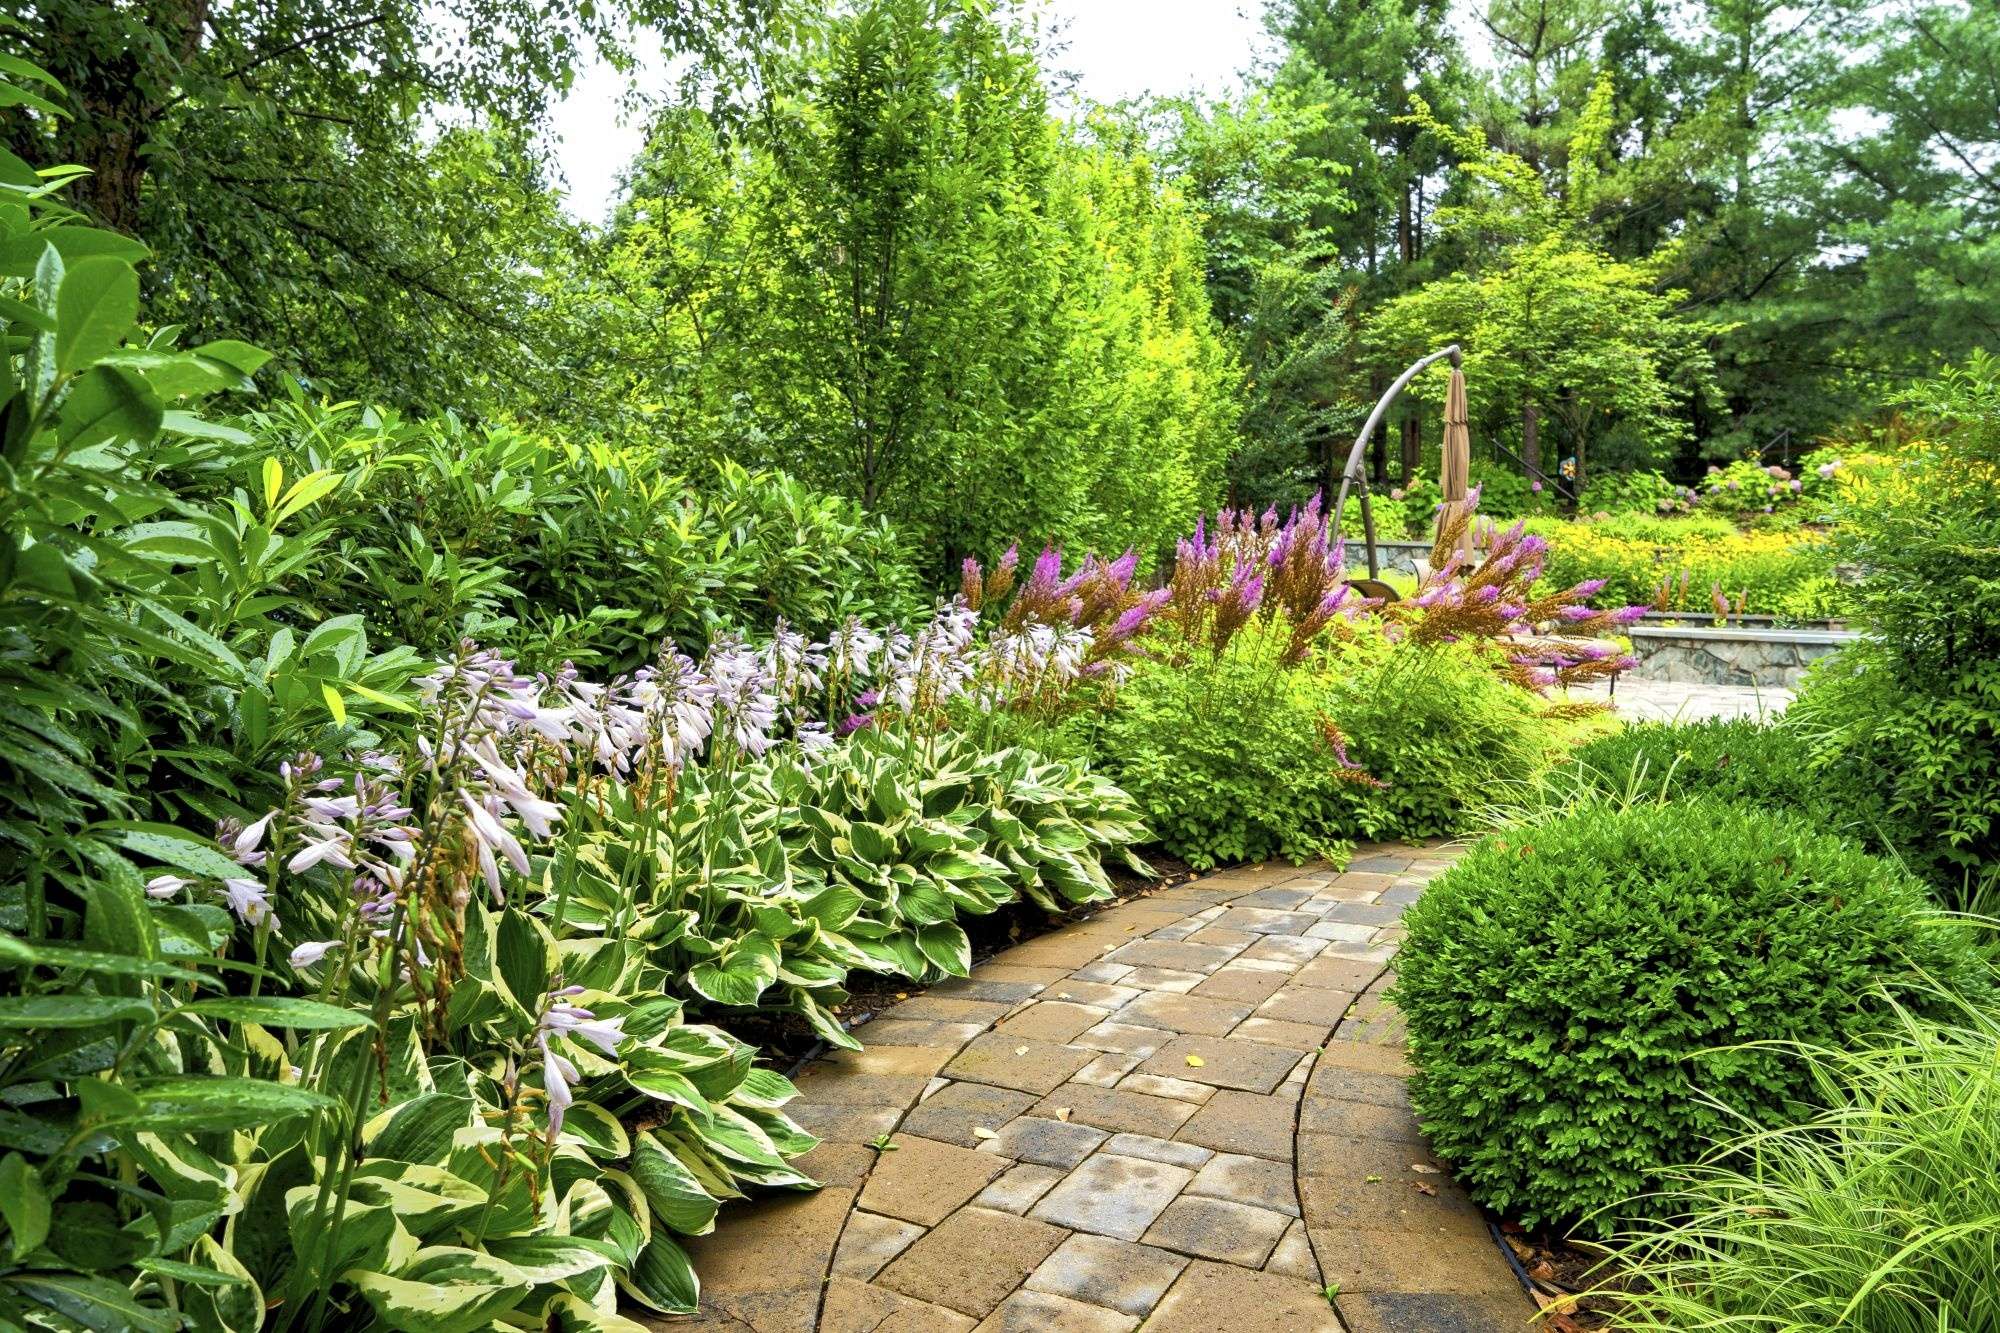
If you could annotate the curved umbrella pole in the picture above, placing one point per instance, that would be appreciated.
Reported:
(1354, 473)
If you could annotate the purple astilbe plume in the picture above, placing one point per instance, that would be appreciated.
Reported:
(1234, 605)
(1493, 600)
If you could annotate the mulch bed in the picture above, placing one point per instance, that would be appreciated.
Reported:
(1567, 1280)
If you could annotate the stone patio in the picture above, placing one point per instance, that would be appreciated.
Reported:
(1185, 1113)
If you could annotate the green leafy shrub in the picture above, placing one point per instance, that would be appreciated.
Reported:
(1906, 727)
(1913, 759)
(1752, 491)
(1641, 494)
(1440, 733)
(1878, 1212)
(1735, 760)
(440, 529)
(1569, 986)
(1229, 763)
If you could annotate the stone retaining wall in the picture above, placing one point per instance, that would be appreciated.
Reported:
(1732, 655)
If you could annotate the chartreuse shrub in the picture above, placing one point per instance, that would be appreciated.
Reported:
(1231, 762)
(1880, 1210)
(1905, 727)
(1573, 987)
(1682, 565)
(1438, 732)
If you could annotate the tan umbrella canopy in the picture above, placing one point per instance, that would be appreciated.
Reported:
(1455, 469)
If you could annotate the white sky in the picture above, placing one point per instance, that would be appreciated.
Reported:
(1115, 48)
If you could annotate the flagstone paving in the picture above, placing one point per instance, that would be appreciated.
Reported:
(1185, 1113)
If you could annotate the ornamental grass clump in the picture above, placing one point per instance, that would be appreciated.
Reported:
(1880, 1210)
(1573, 986)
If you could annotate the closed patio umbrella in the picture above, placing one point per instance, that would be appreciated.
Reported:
(1455, 468)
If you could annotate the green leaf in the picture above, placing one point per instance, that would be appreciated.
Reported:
(741, 975)
(70, 1011)
(946, 945)
(19, 953)
(96, 1303)
(524, 955)
(449, 1291)
(676, 1197)
(95, 307)
(278, 1011)
(171, 846)
(23, 1203)
(663, 1279)
(107, 403)
(421, 1129)
(216, 1103)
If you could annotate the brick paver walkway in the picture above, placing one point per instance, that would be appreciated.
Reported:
(1184, 1113)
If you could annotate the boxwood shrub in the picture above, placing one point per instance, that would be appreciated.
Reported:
(1731, 759)
(1574, 988)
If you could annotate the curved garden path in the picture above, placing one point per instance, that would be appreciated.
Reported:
(1186, 1112)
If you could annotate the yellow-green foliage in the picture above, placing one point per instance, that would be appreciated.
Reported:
(1788, 574)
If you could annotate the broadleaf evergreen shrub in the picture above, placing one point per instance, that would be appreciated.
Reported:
(1737, 760)
(1906, 727)
(1570, 984)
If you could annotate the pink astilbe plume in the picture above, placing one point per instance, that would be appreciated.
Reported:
(1545, 639)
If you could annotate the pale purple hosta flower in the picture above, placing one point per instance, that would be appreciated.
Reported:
(559, 1076)
(162, 887)
(309, 953)
(746, 709)
(850, 651)
(606, 720)
(248, 899)
(242, 842)
(792, 665)
(488, 836)
(814, 739)
(938, 664)
(679, 706)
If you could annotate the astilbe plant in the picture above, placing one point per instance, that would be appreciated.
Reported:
(1538, 639)
(1055, 633)
(1246, 566)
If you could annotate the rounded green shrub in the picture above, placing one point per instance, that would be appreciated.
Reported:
(1570, 985)
(1733, 759)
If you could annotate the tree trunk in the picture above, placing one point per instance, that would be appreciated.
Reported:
(1413, 443)
(115, 94)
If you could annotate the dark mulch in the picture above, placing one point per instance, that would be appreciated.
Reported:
(788, 1042)
(1567, 1279)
